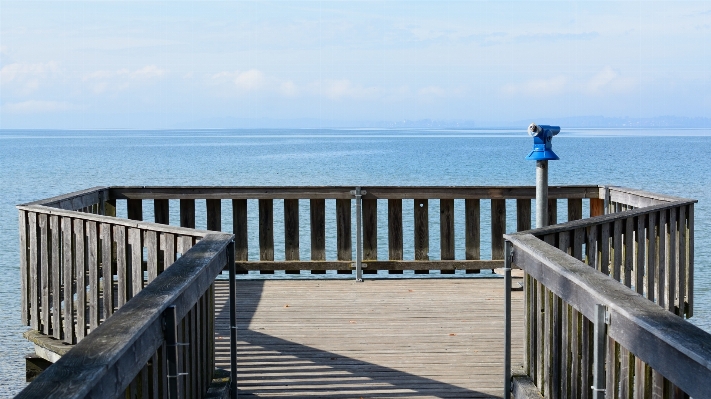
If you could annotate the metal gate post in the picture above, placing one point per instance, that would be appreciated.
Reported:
(233, 319)
(359, 233)
(599, 338)
(507, 316)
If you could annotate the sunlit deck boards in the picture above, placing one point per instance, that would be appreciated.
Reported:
(381, 338)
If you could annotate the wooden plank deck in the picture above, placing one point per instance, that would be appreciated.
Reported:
(416, 338)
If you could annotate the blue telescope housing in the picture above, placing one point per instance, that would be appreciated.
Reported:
(542, 142)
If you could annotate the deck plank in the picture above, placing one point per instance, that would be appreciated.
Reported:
(436, 338)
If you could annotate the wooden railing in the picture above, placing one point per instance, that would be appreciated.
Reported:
(643, 252)
(91, 200)
(648, 245)
(78, 268)
(295, 200)
(160, 341)
(80, 264)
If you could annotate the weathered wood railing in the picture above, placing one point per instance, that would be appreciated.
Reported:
(645, 250)
(80, 263)
(78, 268)
(647, 244)
(91, 200)
(161, 340)
(294, 199)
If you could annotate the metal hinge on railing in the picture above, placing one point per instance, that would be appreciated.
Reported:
(170, 334)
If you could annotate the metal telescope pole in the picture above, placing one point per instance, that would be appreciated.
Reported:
(542, 152)
(541, 194)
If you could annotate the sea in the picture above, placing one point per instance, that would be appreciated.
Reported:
(36, 164)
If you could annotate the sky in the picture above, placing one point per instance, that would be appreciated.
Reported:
(149, 64)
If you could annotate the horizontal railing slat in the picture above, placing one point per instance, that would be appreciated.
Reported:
(639, 198)
(75, 200)
(343, 192)
(371, 265)
(115, 221)
(611, 217)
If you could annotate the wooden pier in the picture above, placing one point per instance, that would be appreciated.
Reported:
(405, 338)
(127, 305)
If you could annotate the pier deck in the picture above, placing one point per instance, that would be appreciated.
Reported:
(381, 338)
(605, 296)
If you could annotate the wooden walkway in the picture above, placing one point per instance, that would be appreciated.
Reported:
(418, 338)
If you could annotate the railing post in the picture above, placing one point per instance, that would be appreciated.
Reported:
(359, 233)
(508, 253)
(606, 206)
(171, 343)
(233, 319)
(599, 339)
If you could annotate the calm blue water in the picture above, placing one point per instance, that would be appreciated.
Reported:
(39, 164)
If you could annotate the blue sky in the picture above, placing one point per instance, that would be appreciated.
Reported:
(162, 64)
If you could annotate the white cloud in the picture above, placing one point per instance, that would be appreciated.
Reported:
(608, 80)
(27, 78)
(288, 89)
(38, 106)
(337, 89)
(148, 72)
(107, 74)
(249, 80)
(605, 81)
(546, 86)
(538, 87)
(118, 80)
(252, 80)
(601, 79)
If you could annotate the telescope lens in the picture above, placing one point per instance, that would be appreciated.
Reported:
(533, 130)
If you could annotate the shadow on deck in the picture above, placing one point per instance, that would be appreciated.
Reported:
(382, 338)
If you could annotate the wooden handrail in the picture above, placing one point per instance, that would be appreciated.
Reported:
(344, 192)
(610, 217)
(670, 345)
(136, 224)
(107, 360)
(638, 198)
(75, 200)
